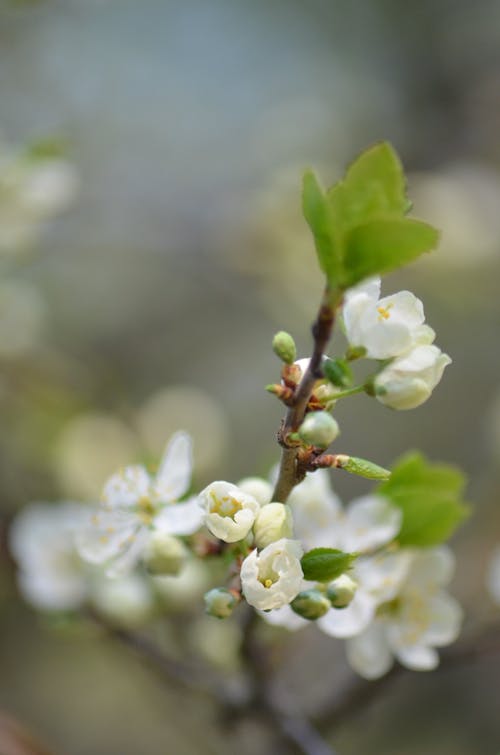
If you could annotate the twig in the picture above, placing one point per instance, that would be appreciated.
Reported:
(289, 475)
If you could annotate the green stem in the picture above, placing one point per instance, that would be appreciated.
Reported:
(350, 391)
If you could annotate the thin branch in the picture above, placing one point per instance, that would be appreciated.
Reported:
(289, 475)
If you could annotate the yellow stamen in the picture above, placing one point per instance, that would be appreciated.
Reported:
(383, 312)
(268, 583)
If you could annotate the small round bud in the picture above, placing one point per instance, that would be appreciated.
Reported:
(341, 591)
(311, 604)
(220, 602)
(319, 429)
(260, 489)
(273, 522)
(164, 554)
(284, 347)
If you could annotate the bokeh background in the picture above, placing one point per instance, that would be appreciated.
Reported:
(144, 271)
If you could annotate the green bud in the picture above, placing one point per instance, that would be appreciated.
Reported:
(220, 602)
(341, 591)
(362, 467)
(164, 554)
(338, 372)
(319, 429)
(310, 604)
(284, 347)
(355, 352)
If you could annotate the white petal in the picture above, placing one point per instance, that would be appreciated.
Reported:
(431, 567)
(417, 657)
(371, 521)
(404, 307)
(369, 653)
(284, 617)
(180, 518)
(350, 621)
(129, 557)
(109, 534)
(53, 591)
(124, 489)
(383, 575)
(446, 617)
(174, 473)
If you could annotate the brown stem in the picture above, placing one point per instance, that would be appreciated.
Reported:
(289, 474)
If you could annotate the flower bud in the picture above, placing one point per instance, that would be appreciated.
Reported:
(257, 487)
(164, 554)
(284, 347)
(319, 429)
(273, 522)
(311, 604)
(338, 372)
(361, 467)
(341, 591)
(220, 602)
(409, 380)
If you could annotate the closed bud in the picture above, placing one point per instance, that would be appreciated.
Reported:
(319, 429)
(164, 554)
(341, 591)
(311, 604)
(362, 467)
(273, 522)
(220, 602)
(284, 347)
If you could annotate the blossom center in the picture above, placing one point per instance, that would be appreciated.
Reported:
(146, 510)
(383, 312)
(224, 506)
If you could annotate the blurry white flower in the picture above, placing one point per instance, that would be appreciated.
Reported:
(493, 576)
(127, 601)
(274, 521)
(409, 380)
(285, 617)
(384, 327)
(273, 577)
(320, 520)
(229, 512)
(51, 575)
(186, 588)
(257, 487)
(378, 580)
(136, 504)
(421, 617)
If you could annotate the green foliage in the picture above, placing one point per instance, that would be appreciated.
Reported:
(358, 225)
(325, 564)
(430, 497)
(363, 468)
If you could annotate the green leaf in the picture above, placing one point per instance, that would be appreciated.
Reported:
(318, 214)
(382, 245)
(374, 185)
(430, 497)
(325, 564)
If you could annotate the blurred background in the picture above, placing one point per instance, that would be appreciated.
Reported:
(151, 243)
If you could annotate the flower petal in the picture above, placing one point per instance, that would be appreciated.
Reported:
(368, 653)
(129, 557)
(446, 617)
(350, 621)
(174, 473)
(371, 521)
(284, 617)
(107, 535)
(417, 657)
(180, 518)
(125, 488)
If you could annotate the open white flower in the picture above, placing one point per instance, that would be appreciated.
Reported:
(384, 327)
(379, 580)
(135, 504)
(229, 512)
(273, 577)
(51, 575)
(421, 617)
(409, 380)
(321, 521)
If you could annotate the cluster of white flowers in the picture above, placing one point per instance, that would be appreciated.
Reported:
(393, 329)
(396, 605)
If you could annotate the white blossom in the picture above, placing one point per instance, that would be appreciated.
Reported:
(126, 601)
(136, 504)
(260, 489)
(51, 575)
(409, 380)
(385, 327)
(229, 512)
(421, 617)
(273, 577)
(320, 520)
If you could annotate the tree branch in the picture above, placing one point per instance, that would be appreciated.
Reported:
(289, 474)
